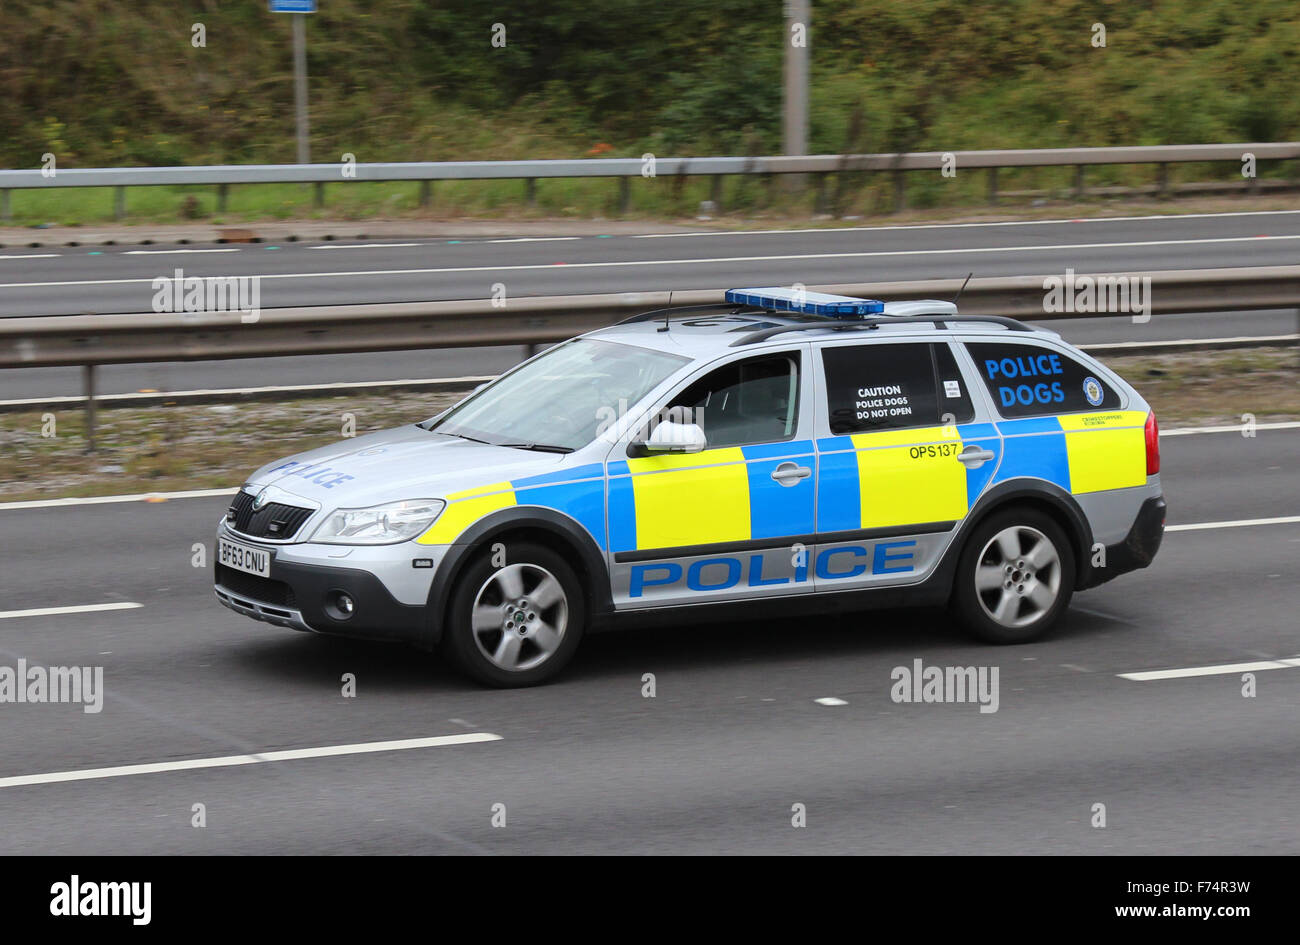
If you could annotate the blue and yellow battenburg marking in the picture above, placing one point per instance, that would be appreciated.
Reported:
(578, 493)
(865, 480)
(709, 497)
(1081, 452)
(901, 477)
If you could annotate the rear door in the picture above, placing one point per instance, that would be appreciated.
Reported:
(903, 453)
(734, 520)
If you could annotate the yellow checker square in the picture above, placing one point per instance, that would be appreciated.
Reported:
(1106, 450)
(902, 481)
(692, 499)
(464, 509)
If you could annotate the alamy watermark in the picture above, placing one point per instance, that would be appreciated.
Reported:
(1105, 295)
(79, 897)
(82, 685)
(918, 683)
(194, 294)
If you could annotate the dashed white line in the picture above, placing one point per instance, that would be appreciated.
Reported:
(75, 609)
(33, 256)
(830, 700)
(177, 252)
(125, 771)
(1236, 523)
(535, 239)
(1222, 669)
(614, 264)
(363, 245)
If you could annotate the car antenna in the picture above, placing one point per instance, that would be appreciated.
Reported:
(668, 310)
(963, 288)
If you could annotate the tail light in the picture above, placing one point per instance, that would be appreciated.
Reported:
(1153, 444)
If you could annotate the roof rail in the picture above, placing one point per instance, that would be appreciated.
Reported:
(682, 310)
(842, 324)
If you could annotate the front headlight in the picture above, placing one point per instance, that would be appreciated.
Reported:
(380, 524)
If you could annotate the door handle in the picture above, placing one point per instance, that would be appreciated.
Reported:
(789, 474)
(974, 456)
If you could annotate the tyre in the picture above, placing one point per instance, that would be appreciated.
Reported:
(1015, 577)
(517, 625)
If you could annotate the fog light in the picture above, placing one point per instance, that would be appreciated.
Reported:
(340, 605)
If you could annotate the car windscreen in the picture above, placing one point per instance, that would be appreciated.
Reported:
(565, 398)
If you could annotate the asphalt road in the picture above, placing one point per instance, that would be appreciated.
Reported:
(119, 279)
(63, 280)
(713, 763)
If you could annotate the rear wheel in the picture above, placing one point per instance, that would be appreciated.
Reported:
(1015, 577)
(519, 624)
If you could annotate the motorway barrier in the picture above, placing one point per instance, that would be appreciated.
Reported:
(92, 340)
(626, 169)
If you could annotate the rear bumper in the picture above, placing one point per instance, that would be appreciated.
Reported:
(1139, 547)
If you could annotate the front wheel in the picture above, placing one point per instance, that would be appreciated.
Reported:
(1015, 577)
(518, 624)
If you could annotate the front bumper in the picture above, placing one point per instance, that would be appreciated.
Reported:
(302, 590)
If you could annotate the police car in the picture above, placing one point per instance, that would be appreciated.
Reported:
(781, 452)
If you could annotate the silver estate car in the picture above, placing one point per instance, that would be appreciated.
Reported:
(783, 451)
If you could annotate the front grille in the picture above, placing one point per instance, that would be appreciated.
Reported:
(273, 520)
(259, 589)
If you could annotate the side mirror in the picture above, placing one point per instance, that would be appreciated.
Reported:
(670, 437)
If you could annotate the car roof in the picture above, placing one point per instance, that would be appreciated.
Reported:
(706, 331)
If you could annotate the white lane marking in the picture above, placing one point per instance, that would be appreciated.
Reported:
(1236, 523)
(33, 256)
(1231, 428)
(1238, 339)
(1219, 670)
(535, 239)
(557, 266)
(177, 252)
(106, 499)
(125, 771)
(830, 700)
(363, 245)
(962, 226)
(78, 609)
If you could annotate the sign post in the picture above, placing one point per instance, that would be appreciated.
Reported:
(299, 66)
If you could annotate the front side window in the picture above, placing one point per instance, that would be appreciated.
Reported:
(892, 387)
(562, 399)
(1032, 381)
(745, 402)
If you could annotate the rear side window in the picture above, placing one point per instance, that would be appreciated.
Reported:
(1029, 381)
(893, 386)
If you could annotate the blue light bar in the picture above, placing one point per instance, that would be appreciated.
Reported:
(780, 299)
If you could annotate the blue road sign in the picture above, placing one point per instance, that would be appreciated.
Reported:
(292, 6)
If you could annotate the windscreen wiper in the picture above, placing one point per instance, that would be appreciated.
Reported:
(459, 436)
(538, 447)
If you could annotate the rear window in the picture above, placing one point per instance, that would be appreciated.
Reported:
(1031, 381)
(893, 386)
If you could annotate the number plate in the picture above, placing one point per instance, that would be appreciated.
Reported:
(244, 558)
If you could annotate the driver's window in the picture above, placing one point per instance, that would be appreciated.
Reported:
(745, 402)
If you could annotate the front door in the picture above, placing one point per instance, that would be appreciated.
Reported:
(734, 520)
